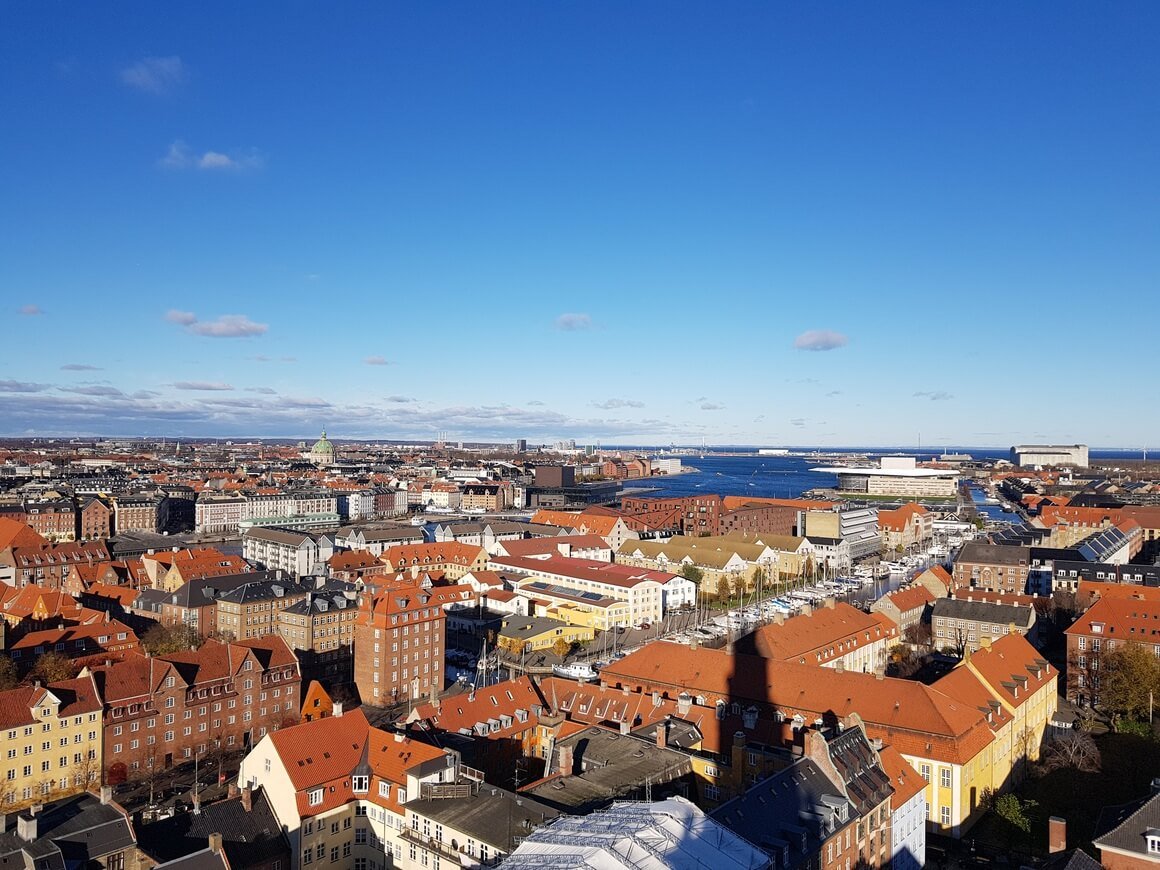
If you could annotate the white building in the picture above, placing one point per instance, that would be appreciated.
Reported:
(340, 788)
(1031, 455)
(907, 811)
(294, 552)
(895, 476)
(219, 513)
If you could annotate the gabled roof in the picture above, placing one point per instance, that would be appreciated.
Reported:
(18, 534)
(1129, 828)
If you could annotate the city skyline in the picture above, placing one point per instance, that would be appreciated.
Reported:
(628, 225)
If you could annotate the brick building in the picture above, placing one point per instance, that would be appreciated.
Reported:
(55, 519)
(399, 644)
(161, 710)
(320, 630)
(50, 565)
(137, 513)
(94, 520)
(994, 567)
(699, 515)
(254, 609)
(1108, 623)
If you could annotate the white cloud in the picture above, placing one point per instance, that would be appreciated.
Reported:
(934, 395)
(820, 339)
(609, 404)
(208, 386)
(10, 386)
(79, 367)
(573, 322)
(400, 400)
(377, 361)
(155, 75)
(226, 326)
(265, 391)
(181, 156)
(30, 310)
(712, 406)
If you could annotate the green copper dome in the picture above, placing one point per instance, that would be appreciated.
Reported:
(322, 448)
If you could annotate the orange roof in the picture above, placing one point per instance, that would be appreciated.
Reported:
(464, 711)
(16, 534)
(911, 598)
(1083, 516)
(904, 778)
(966, 686)
(563, 519)
(1016, 599)
(1012, 669)
(1121, 618)
(1090, 590)
(821, 635)
(899, 519)
(448, 553)
(30, 601)
(917, 719)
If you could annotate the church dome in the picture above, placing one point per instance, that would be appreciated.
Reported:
(323, 450)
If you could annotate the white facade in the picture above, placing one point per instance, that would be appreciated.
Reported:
(908, 834)
(219, 513)
(297, 554)
(1030, 455)
(678, 593)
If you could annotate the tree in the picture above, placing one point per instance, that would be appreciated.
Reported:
(162, 639)
(1015, 812)
(9, 678)
(561, 647)
(692, 573)
(53, 667)
(1129, 678)
(918, 634)
(1073, 751)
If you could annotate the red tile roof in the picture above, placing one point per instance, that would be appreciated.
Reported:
(611, 573)
(17, 534)
(822, 635)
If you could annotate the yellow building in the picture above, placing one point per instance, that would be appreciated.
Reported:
(537, 633)
(53, 741)
(574, 607)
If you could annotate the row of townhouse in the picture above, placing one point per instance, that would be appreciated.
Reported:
(834, 635)
(227, 513)
(120, 718)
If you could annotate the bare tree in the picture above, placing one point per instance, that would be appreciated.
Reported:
(1073, 751)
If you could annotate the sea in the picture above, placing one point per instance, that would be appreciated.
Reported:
(744, 472)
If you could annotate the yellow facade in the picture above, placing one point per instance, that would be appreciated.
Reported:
(50, 755)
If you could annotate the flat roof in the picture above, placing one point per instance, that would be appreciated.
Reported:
(876, 471)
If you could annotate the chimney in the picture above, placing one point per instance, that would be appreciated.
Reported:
(400, 737)
(830, 603)
(232, 791)
(248, 799)
(564, 755)
(879, 674)
(197, 804)
(336, 710)
(26, 826)
(779, 618)
(1056, 834)
(663, 733)
(840, 665)
(215, 843)
(106, 793)
(625, 726)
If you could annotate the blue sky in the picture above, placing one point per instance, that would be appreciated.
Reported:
(646, 222)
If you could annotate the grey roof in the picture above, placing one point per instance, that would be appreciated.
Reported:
(608, 766)
(203, 860)
(983, 611)
(278, 536)
(204, 591)
(70, 832)
(778, 811)
(491, 815)
(264, 590)
(322, 603)
(1075, 859)
(1123, 826)
(249, 838)
(992, 554)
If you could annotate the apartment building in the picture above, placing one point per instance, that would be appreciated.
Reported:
(296, 553)
(320, 630)
(138, 513)
(94, 520)
(399, 640)
(994, 567)
(340, 788)
(53, 741)
(908, 526)
(55, 519)
(905, 607)
(164, 710)
(452, 558)
(254, 609)
(964, 624)
(1111, 621)
(375, 540)
(217, 513)
(49, 565)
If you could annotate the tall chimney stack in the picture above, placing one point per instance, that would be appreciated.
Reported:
(1056, 834)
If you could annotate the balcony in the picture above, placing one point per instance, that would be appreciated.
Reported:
(439, 847)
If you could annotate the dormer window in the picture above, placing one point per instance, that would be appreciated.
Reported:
(360, 783)
(1153, 840)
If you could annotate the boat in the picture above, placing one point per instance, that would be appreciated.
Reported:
(575, 671)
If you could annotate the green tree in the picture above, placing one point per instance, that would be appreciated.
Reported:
(9, 679)
(52, 667)
(1015, 812)
(692, 573)
(561, 647)
(1129, 680)
(162, 639)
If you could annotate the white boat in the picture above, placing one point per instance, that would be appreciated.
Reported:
(575, 671)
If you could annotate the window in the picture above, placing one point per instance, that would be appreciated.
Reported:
(712, 792)
(1154, 843)
(924, 771)
(944, 814)
(945, 777)
(315, 797)
(307, 856)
